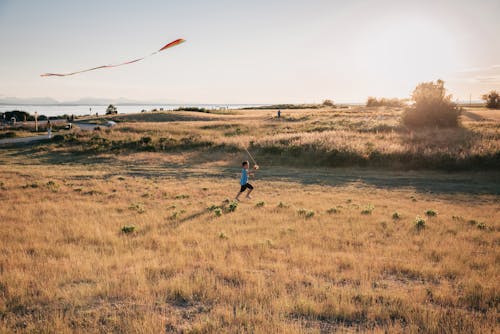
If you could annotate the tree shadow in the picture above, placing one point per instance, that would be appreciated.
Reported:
(439, 182)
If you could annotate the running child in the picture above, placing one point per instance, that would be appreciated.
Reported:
(244, 180)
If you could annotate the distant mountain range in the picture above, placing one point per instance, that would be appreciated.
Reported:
(82, 101)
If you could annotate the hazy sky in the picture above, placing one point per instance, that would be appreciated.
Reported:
(249, 51)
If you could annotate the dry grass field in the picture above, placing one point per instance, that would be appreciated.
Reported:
(109, 232)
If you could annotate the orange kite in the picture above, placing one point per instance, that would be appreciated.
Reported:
(169, 45)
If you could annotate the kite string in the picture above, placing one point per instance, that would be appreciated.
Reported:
(251, 157)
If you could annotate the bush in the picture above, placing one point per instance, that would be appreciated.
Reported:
(396, 216)
(384, 102)
(419, 223)
(218, 212)
(128, 229)
(432, 108)
(233, 206)
(328, 103)
(492, 100)
(196, 109)
(368, 210)
(431, 213)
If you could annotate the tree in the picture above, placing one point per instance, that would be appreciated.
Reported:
(111, 110)
(492, 100)
(432, 107)
(328, 103)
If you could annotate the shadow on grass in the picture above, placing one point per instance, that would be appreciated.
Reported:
(480, 182)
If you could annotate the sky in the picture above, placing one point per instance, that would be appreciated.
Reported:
(259, 51)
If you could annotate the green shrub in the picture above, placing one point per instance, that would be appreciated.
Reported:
(260, 204)
(419, 223)
(368, 210)
(431, 213)
(223, 235)
(181, 196)
(127, 229)
(333, 210)
(233, 206)
(213, 207)
(396, 215)
(218, 212)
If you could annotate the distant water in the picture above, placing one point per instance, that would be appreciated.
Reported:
(80, 110)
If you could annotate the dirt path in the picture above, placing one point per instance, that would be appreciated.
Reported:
(22, 140)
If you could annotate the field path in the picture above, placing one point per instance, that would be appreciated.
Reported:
(22, 140)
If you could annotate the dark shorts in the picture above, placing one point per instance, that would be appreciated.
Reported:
(245, 187)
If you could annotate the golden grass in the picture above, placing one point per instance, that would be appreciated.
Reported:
(65, 265)
(316, 250)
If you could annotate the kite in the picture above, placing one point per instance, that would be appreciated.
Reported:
(169, 45)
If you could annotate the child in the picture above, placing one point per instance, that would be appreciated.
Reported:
(244, 180)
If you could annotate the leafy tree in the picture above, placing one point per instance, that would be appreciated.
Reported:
(492, 100)
(111, 110)
(432, 107)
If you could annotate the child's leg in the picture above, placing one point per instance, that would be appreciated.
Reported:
(250, 189)
(240, 192)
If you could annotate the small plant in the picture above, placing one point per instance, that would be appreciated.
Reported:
(481, 226)
(431, 213)
(32, 185)
(181, 196)
(260, 204)
(139, 207)
(223, 235)
(218, 212)
(213, 207)
(52, 186)
(306, 213)
(396, 216)
(368, 210)
(175, 215)
(333, 211)
(458, 218)
(282, 205)
(2, 185)
(233, 206)
(127, 229)
(419, 223)
(472, 222)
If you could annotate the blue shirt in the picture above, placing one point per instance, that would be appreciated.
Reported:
(244, 177)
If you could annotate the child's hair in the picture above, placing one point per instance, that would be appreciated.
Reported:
(244, 163)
